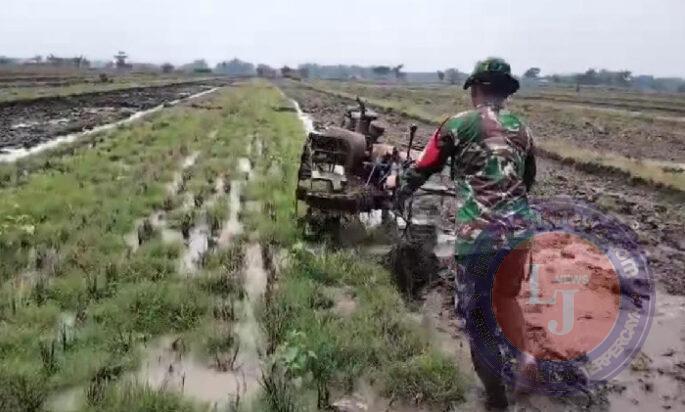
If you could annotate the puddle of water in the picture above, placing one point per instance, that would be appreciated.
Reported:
(159, 223)
(9, 155)
(197, 247)
(344, 302)
(656, 380)
(24, 125)
(307, 120)
(245, 167)
(68, 400)
(371, 219)
(189, 160)
(232, 227)
(444, 249)
(165, 367)
(254, 282)
(259, 147)
(175, 184)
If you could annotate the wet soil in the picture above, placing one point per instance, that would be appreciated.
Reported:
(24, 124)
(588, 127)
(656, 379)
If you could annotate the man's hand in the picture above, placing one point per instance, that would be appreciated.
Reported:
(400, 200)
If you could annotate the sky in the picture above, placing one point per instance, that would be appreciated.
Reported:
(644, 36)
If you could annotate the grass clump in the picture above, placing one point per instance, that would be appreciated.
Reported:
(374, 341)
(428, 377)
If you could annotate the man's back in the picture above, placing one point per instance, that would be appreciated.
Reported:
(493, 166)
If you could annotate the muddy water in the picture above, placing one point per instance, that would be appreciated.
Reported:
(175, 185)
(656, 379)
(158, 221)
(254, 282)
(69, 400)
(232, 227)
(198, 243)
(10, 155)
(167, 367)
(306, 119)
(196, 247)
(245, 167)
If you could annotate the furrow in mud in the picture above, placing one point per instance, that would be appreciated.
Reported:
(28, 124)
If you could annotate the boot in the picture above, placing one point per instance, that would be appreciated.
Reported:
(494, 387)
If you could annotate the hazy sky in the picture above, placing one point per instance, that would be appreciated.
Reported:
(645, 36)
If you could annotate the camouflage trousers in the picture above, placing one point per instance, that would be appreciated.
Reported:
(479, 279)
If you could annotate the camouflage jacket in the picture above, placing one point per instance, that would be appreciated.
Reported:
(493, 165)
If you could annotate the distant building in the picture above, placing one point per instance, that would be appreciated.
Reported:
(120, 61)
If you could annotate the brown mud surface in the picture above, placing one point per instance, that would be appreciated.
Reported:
(656, 379)
(24, 124)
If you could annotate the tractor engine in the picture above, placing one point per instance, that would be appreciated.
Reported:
(343, 168)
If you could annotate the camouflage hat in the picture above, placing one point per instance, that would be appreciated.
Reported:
(493, 71)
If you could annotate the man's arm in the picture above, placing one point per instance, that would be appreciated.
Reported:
(433, 158)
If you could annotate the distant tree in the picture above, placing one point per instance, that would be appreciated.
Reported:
(532, 73)
(199, 64)
(167, 68)
(266, 71)
(236, 67)
(381, 70)
(286, 71)
(397, 71)
(441, 75)
(624, 78)
(589, 77)
(81, 62)
(453, 76)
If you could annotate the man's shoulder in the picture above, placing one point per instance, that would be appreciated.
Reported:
(511, 121)
(459, 120)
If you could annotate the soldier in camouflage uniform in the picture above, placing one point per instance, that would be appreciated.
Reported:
(493, 166)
